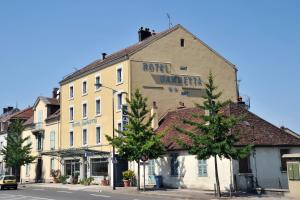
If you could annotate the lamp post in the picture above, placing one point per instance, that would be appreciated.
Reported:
(113, 132)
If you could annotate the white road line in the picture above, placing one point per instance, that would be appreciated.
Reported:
(38, 189)
(100, 195)
(64, 192)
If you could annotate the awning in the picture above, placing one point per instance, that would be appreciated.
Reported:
(75, 152)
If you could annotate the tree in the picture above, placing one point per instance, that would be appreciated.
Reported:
(215, 136)
(138, 138)
(16, 152)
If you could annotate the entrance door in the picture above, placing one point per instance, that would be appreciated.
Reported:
(39, 171)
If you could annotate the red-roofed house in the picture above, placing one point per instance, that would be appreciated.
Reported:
(263, 168)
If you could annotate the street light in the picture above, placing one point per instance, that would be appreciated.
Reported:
(113, 131)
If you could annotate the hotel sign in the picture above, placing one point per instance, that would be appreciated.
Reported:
(161, 74)
(84, 122)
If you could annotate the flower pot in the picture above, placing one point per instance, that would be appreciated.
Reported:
(105, 182)
(126, 183)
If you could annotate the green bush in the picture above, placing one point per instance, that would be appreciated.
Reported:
(86, 181)
(63, 179)
(128, 175)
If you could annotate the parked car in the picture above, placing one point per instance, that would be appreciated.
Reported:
(8, 181)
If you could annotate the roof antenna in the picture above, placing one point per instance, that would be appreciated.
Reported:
(169, 18)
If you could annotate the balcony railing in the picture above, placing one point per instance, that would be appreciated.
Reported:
(38, 127)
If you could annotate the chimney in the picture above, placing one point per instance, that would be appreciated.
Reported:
(144, 33)
(9, 108)
(103, 56)
(241, 103)
(55, 93)
(154, 122)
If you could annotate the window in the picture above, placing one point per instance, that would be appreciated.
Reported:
(52, 140)
(27, 169)
(99, 166)
(244, 165)
(1, 145)
(98, 135)
(84, 87)
(98, 106)
(84, 137)
(183, 68)
(119, 108)
(71, 92)
(174, 164)
(71, 138)
(202, 168)
(283, 160)
(151, 167)
(293, 171)
(119, 75)
(84, 110)
(71, 111)
(72, 167)
(182, 42)
(97, 83)
(52, 165)
(119, 128)
(39, 139)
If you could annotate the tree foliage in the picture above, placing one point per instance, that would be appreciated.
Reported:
(138, 138)
(215, 136)
(17, 152)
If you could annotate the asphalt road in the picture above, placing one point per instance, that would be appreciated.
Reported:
(32, 193)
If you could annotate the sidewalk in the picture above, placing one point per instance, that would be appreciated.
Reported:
(168, 193)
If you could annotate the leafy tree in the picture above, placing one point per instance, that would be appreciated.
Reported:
(215, 136)
(138, 139)
(16, 152)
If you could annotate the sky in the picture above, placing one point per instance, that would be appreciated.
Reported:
(43, 41)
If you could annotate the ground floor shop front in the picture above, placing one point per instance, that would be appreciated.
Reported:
(74, 163)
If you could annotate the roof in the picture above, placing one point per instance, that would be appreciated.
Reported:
(28, 121)
(6, 116)
(23, 114)
(47, 101)
(256, 131)
(54, 116)
(126, 52)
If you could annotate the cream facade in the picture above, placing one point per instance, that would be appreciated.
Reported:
(44, 137)
(168, 68)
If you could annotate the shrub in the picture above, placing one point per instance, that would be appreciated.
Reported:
(128, 175)
(86, 181)
(63, 179)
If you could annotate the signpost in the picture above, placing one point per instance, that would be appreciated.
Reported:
(144, 158)
(124, 116)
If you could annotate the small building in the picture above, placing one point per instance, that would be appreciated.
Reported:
(293, 169)
(263, 168)
(42, 128)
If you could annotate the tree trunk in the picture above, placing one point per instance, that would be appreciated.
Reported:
(217, 178)
(138, 178)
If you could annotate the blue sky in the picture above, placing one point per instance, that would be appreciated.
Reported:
(42, 41)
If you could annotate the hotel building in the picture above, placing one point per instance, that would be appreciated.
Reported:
(169, 68)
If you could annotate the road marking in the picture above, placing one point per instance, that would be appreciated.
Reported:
(38, 189)
(100, 195)
(18, 197)
(64, 192)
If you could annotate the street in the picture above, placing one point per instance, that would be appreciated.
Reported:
(31, 193)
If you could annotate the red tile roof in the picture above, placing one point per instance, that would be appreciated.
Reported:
(23, 114)
(254, 130)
